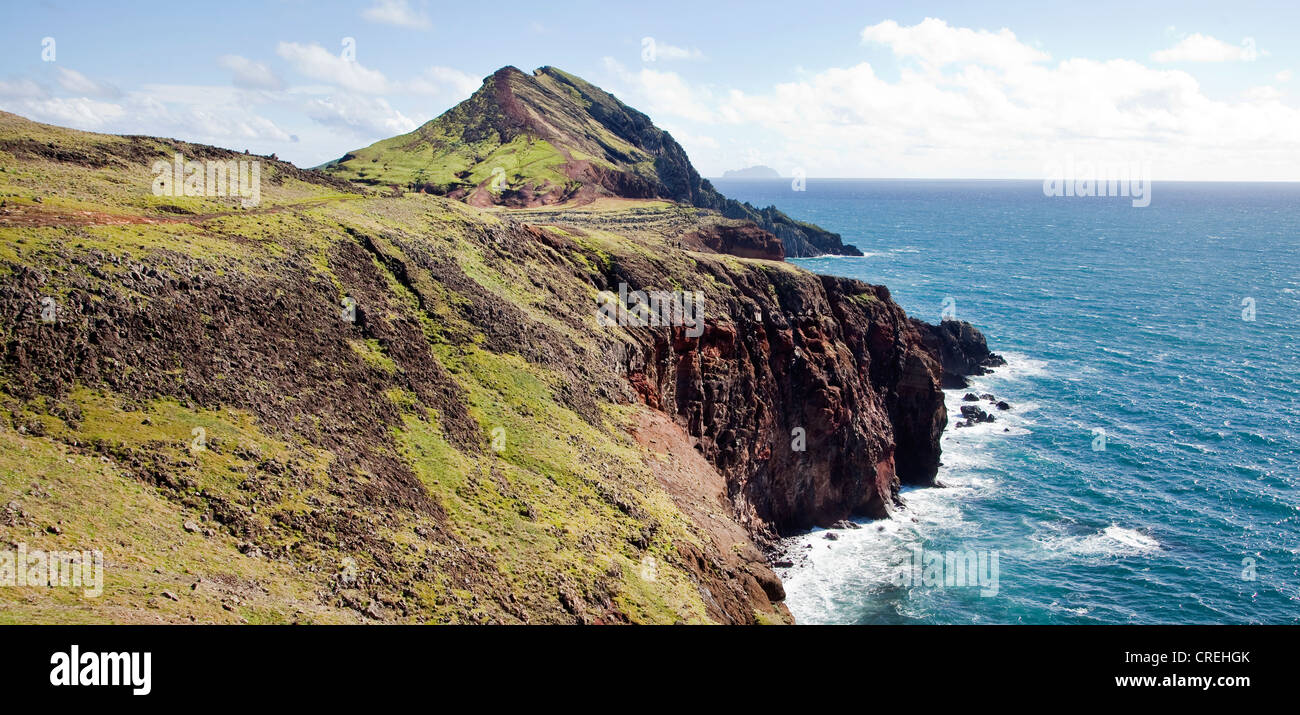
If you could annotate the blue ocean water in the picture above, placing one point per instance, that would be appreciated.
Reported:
(1135, 321)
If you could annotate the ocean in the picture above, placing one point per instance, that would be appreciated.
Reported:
(1147, 471)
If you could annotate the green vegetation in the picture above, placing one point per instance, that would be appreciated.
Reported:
(537, 145)
(61, 497)
(443, 162)
(555, 501)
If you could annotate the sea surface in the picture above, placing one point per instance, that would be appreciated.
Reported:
(1148, 471)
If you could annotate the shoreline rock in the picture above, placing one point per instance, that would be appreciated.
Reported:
(962, 350)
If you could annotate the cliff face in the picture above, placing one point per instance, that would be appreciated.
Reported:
(815, 396)
(745, 240)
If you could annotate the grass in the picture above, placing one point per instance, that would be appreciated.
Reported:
(443, 160)
(373, 354)
(95, 502)
(562, 501)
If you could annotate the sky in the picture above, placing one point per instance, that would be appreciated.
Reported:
(1190, 90)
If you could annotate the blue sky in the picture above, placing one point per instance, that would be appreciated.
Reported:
(1199, 90)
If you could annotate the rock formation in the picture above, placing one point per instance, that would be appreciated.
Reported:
(962, 350)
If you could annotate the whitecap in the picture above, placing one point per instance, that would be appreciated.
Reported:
(859, 565)
(1080, 611)
(1196, 447)
(1114, 540)
(1020, 365)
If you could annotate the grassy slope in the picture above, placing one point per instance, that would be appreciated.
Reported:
(543, 530)
(462, 147)
(445, 161)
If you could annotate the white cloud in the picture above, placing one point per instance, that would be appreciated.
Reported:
(962, 102)
(195, 95)
(997, 110)
(222, 127)
(318, 63)
(21, 88)
(249, 74)
(370, 116)
(1262, 94)
(1203, 48)
(76, 112)
(664, 92)
(937, 44)
(224, 116)
(337, 94)
(397, 12)
(444, 81)
(78, 83)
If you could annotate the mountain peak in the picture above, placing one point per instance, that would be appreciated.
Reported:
(550, 138)
(529, 140)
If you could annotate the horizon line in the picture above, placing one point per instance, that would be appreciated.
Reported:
(939, 178)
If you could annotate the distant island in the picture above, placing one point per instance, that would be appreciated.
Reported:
(753, 172)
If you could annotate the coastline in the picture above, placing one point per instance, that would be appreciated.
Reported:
(855, 563)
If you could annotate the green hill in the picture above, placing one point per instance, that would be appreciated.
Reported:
(552, 138)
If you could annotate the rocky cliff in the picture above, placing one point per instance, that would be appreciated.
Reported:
(813, 395)
(800, 239)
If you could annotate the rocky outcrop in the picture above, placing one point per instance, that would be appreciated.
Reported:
(745, 240)
(801, 239)
(815, 396)
(962, 350)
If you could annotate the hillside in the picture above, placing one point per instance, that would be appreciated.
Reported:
(343, 405)
(552, 138)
